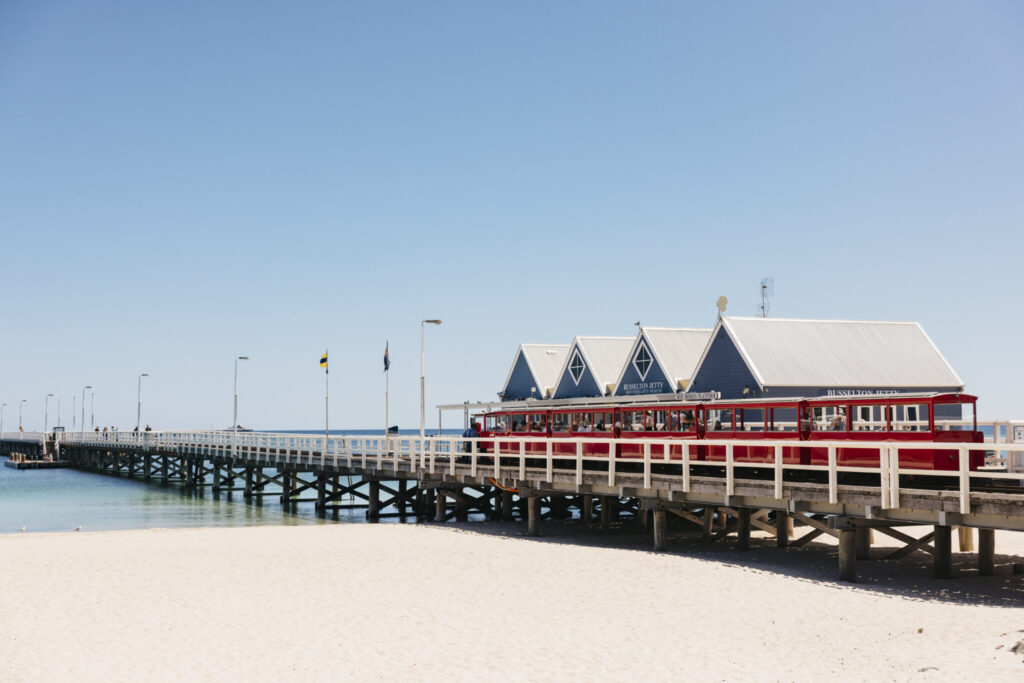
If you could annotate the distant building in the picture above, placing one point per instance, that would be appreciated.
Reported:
(777, 357)
(661, 361)
(592, 366)
(534, 371)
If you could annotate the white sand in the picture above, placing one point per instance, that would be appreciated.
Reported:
(399, 602)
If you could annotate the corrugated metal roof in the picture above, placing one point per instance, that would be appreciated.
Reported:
(545, 361)
(677, 349)
(604, 356)
(840, 353)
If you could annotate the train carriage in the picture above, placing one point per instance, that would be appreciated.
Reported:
(895, 417)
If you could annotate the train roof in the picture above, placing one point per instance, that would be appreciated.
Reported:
(679, 399)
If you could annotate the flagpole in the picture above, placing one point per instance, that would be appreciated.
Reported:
(387, 398)
(327, 412)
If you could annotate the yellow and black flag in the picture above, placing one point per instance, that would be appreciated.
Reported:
(323, 362)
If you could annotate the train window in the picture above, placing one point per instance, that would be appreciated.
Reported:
(560, 422)
(502, 423)
(539, 423)
(582, 422)
(719, 420)
(686, 420)
(604, 422)
(782, 419)
(519, 422)
(912, 418)
(489, 422)
(661, 420)
(749, 419)
(868, 419)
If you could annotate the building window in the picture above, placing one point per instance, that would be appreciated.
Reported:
(576, 367)
(642, 361)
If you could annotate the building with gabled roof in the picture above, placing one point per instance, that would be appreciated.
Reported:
(778, 357)
(591, 366)
(534, 371)
(662, 360)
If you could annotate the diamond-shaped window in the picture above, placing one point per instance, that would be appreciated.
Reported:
(642, 361)
(576, 367)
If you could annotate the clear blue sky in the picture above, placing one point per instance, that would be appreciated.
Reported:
(185, 182)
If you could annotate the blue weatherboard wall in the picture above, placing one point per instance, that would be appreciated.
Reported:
(723, 369)
(567, 387)
(655, 383)
(521, 381)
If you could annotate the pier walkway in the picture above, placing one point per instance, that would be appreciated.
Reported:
(445, 477)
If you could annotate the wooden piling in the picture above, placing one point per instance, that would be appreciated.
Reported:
(863, 537)
(965, 539)
(643, 517)
(707, 523)
(587, 510)
(439, 506)
(660, 530)
(848, 555)
(943, 552)
(606, 511)
(402, 496)
(507, 507)
(986, 551)
(743, 528)
(533, 515)
(783, 528)
(373, 509)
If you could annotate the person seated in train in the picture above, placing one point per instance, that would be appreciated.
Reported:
(585, 427)
(838, 422)
(601, 427)
(648, 423)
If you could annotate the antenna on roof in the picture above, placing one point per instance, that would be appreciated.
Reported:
(767, 290)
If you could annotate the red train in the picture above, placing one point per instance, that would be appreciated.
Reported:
(894, 417)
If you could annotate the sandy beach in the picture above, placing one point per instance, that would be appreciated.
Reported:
(474, 601)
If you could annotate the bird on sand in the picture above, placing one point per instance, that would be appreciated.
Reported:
(78, 528)
(22, 530)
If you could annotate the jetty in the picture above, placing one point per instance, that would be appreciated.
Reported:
(446, 477)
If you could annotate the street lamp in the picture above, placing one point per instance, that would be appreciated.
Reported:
(234, 422)
(92, 409)
(88, 386)
(58, 411)
(138, 412)
(2, 406)
(46, 413)
(21, 430)
(422, 381)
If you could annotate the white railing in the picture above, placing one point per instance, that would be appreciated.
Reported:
(506, 459)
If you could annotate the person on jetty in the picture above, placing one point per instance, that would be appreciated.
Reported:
(471, 432)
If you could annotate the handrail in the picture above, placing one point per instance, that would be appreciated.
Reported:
(437, 454)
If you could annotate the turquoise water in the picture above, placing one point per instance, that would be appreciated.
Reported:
(63, 499)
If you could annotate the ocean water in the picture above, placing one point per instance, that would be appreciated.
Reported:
(63, 499)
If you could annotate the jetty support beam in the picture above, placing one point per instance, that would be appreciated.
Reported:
(986, 551)
(660, 529)
(533, 515)
(848, 555)
(943, 545)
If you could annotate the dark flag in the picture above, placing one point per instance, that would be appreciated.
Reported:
(387, 360)
(323, 362)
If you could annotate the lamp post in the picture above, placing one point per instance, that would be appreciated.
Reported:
(138, 411)
(21, 430)
(234, 422)
(88, 386)
(46, 413)
(58, 411)
(422, 381)
(92, 410)
(2, 406)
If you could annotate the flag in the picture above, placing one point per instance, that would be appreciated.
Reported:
(387, 361)
(323, 362)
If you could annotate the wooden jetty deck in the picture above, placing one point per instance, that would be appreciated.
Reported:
(436, 478)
